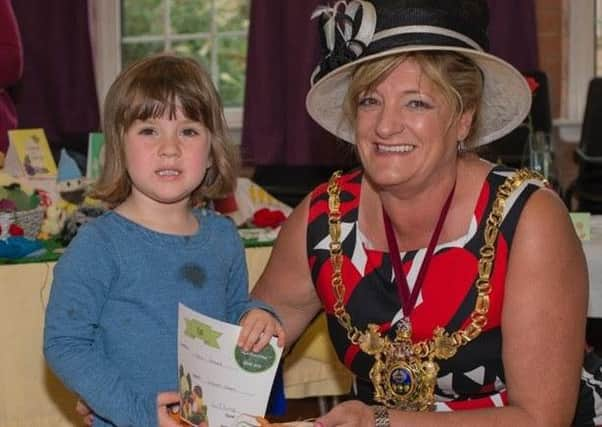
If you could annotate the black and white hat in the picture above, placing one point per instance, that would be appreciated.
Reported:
(357, 31)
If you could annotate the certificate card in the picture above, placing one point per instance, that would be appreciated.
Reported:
(29, 154)
(219, 382)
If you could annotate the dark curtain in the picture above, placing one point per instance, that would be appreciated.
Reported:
(283, 51)
(513, 32)
(57, 91)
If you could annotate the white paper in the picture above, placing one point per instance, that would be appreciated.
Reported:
(233, 383)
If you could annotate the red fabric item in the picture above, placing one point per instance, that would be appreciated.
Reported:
(226, 205)
(533, 85)
(268, 218)
(15, 230)
(11, 69)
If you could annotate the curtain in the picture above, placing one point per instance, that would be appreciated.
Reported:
(283, 50)
(513, 32)
(57, 91)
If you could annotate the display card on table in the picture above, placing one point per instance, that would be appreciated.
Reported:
(96, 155)
(582, 224)
(219, 382)
(29, 154)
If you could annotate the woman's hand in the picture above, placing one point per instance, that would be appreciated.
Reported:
(352, 413)
(84, 410)
(164, 401)
(258, 327)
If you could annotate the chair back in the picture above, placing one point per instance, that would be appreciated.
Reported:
(591, 131)
(588, 185)
(541, 110)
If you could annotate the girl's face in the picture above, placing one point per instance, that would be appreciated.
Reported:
(166, 159)
(405, 132)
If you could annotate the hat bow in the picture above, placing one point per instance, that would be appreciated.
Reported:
(347, 28)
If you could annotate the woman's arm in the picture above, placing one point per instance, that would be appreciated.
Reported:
(545, 305)
(286, 282)
(543, 327)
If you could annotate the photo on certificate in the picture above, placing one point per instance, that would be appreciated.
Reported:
(219, 382)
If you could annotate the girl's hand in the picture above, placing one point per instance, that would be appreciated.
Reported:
(352, 413)
(258, 327)
(164, 401)
(84, 410)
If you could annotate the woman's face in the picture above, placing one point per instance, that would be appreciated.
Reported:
(405, 131)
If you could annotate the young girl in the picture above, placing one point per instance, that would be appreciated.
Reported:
(111, 321)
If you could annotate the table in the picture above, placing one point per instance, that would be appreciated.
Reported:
(30, 394)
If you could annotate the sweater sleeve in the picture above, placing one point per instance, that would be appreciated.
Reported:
(238, 284)
(72, 340)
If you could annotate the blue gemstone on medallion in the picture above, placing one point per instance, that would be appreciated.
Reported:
(401, 380)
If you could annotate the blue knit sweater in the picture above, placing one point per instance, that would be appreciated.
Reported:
(111, 323)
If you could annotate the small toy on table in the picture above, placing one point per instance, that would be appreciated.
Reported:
(71, 185)
(20, 220)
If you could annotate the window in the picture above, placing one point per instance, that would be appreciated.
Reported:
(580, 46)
(214, 32)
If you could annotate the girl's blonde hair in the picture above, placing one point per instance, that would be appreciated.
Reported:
(457, 77)
(150, 88)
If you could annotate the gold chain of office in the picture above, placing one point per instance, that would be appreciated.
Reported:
(404, 374)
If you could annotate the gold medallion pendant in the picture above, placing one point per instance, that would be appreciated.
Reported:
(402, 379)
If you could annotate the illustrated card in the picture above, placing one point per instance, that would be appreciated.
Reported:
(29, 154)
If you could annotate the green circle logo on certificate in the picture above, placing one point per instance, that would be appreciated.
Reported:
(255, 362)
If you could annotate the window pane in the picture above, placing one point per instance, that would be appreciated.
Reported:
(140, 17)
(133, 51)
(232, 15)
(190, 16)
(232, 66)
(214, 32)
(197, 49)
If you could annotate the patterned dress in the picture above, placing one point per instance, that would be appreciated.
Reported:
(474, 377)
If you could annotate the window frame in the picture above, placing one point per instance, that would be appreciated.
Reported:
(580, 45)
(105, 30)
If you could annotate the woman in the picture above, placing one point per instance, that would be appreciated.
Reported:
(484, 306)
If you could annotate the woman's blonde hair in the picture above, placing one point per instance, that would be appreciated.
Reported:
(150, 88)
(457, 77)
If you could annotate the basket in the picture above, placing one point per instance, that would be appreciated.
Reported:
(30, 220)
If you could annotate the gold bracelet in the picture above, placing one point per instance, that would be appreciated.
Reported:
(381, 416)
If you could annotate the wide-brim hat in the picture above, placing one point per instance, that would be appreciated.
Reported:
(355, 32)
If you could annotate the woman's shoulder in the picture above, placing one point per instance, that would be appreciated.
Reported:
(349, 182)
(485, 182)
(502, 173)
(527, 195)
